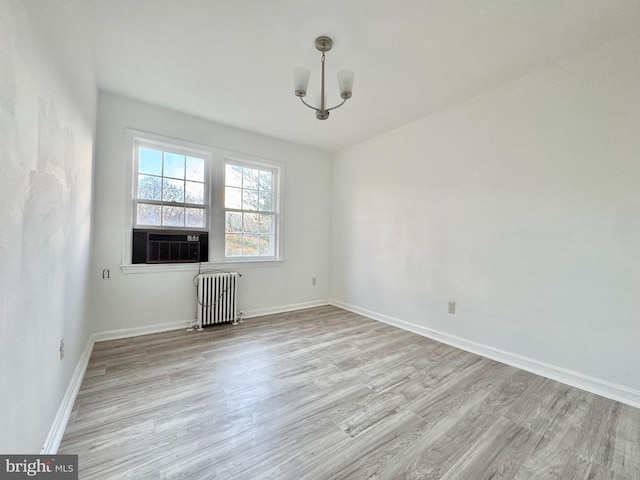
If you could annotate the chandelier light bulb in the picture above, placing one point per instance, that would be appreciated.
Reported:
(345, 82)
(301, 80)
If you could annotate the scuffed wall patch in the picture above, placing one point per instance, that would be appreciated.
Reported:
(47, 124)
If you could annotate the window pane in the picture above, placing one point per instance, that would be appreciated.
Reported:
(232, 197)
(250, 199)
(265, 201)
(233, 223)
(267, 224)
(233, 245)
(252, 232)
(250, 245)
(148, 214)
(266, 181)
(233, 176)
(149, 188)
(250, 178)
(173, 165)
(267, 245)
(195, 169)
(194, 217)
(173, 190)
(194, 192)
(149, 161)
(172, 216)
(251, 223)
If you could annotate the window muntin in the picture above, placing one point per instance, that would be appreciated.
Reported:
(251, 215)
(170, 188)
(259, 235)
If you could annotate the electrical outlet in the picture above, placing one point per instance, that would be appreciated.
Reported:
(313, 281)
(452, 308)
(61, 348)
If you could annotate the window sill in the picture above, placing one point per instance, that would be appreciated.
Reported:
(197, 267)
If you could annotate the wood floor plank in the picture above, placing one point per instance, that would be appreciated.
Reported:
(323, 393)
(616, 444)
(556, 456)
(371, 450)
(598, 472)
(498, 453)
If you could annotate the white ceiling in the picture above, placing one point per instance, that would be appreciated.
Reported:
(232, 60)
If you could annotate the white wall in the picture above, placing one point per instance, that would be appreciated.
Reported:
(47, 118)
(148, 300)
(522, 205)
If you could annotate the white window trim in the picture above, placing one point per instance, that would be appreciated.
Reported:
(214, 192)
(278, 169)
(181, 150)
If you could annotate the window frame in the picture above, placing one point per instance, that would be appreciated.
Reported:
(277, 170)
(215, 164)
(177, 150)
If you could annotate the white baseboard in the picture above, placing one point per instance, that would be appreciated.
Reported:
(56, 432)
(180, 324)
(284, 308)
(137, 331)
(569, 377)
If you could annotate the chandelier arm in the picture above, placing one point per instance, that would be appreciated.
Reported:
(310, 106)
(339, 105)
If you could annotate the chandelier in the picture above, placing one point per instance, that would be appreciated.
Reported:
(301, 81)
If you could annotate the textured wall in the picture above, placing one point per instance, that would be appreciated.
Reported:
(47, 118)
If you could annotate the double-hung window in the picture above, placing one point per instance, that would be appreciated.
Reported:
(251, 210)
(171, 187)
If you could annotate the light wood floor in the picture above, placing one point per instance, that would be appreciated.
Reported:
(327, 394)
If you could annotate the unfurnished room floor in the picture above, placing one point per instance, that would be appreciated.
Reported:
(327, 394)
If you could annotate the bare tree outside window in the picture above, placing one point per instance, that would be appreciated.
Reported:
(250, 216)
(170, 189)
